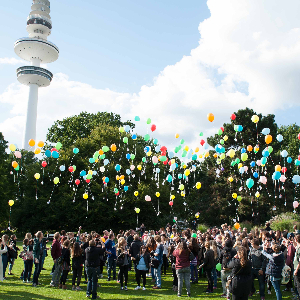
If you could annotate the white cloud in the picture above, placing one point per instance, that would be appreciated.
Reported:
(11, 61)
(248, 55)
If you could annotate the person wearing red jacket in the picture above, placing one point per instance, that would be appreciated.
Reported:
(56, 253)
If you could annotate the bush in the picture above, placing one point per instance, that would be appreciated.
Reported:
(203, 228)
(285, 221)
(246, 224)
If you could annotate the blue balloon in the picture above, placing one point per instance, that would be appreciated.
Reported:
(134, 137)
(252, 164)
(128, 172)
(94, 173)
(206, 146)
(264, 160)
(55, 154)
(250, 183)
(265, 131)
(75, 150)
(106, 162)
(239, 128)
(128, 156)
(147, 149)
(169, 178)
(91, 160)
(265, 153)
(190, 154)
(117, 167)
(155, 142)
(84, 177)
(127, 128)
(157, 149)
(276, 175)
(241, 170)
(62, 168)
(106, 179)
(171, 154)
(173, 167)
(157, 170)
(125, 188)
(82, 173)
(279, 138)
(194, 157)
(297, 162)
(48, 153)
(179, 176)
(296, 179)
(243, 150)
(284, 153)
(255, 175)
(289, 160)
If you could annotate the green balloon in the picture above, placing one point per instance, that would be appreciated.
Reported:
(222, 142)
(105, 149)
(182, 141)
(132, 156)
(102, 156)
(219, 267)
(58, 145)
(147, 137)
(184, 153)
(121, 129)
(239, 198)
(144, 159)
(270, 149)
(220, 132)
(163, 158)
(244, 156)
(125, 140)
(179, 147)
(233, 163)
(148, 121)
(201, 134)
(237, 160)
(89, 176)
(17, 168)
(176, 149)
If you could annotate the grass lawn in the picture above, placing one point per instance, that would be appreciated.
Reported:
(15, 289)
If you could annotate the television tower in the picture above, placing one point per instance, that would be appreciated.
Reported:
(35, 49)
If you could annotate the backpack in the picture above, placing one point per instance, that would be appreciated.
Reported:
(227, 257)
(286, 274)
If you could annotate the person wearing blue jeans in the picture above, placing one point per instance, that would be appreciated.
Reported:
(194, 271)
(257, 273)
(276, 284)
(37, 255)
(110, 247)
(158, 254)
(214, 276)
(92, 282)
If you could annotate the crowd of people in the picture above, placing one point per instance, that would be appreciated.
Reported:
(236, 256)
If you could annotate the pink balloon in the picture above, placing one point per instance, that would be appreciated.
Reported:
(263, 179)
(282, 178)
(18, 154)
(258, 163)
(295, 204)
(246, 168)
(132, 167)
(154, 159)
(147, 198)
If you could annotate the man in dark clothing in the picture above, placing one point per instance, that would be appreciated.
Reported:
(111, 257)
(92, 265)
(142, 229)
(56, 253)
(135, 248)
(268, 228)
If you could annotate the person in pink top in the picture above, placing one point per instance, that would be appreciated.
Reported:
(182, 254)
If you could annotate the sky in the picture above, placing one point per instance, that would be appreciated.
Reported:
(174, 62)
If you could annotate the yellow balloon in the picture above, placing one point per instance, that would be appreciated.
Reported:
(206, 154)
(31, 143)
(198, 185)
(157, 194)
(12, 147)
(255, 119)
(136, 193)
(11, 202)
(225, 138)
(85, 196)
(187, 172)
(183, 194)
(149, 153)
(37, 176)
(172, 161)
(184, 166)
(172, 197)
(139, 167)
(186, 148)
(37, 151)
(268, 139)
(257, 194)
(117, 177)
(122, 181)
(41, 144)
(200, 156)
(234, 195)
(90, 172)
(197, 149)
(137, 210)
(222, 156)
(177, 135)
(240, 165)
(56, 180)
(231, 153)
(256, 148)
(278, 168)
(230, 179)
(181, 187)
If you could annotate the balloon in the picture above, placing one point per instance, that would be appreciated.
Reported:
(244, 156)
(255, 175)
(225, 138)
(41, 144)
(234, 195)
(177, 135)
(121, 129)
(137, 118)
(127, 128)
(75, 150)
(198, 185)
(55, 154)
(279, 138)
(264, 160)
(218, 267)
(137, 210)
(255, 119)
(233, 117)
(278, 168)
(58, 145)
(31, 143)
(118, 167)
(128, 172)
(154, 159)
(134, 137)
(56, 180)
(236, 226)
(171, 203)
(48, 153)
(220, 132)
(263, 179)
(63, 168)
(71, 169)
(153, 127)
(231, 153)
(37, 176)
(125, 140)
(187, 172)
(238, 128)
(265, 153)
(132, 167)
(85, 196)
(147, 137)
(44, 164)
(257, 194)
(125, 187)
(245, 168)
(181, 187)
(14, 164)
(250, 183)
(202, 142)
(284, 153)
(276, 175)
(268, 139)
(147, 198)
(258, 162)
(12, 147)
(77, 182)
(11, 202)
(106, 162)
(210, 117)
(299, 136)
(282, 178)
(113, 147)
(297, 162)
(296, 179)
(37, 151)
(136, 193)
(230, 179)
(295, 204)
(106, 180)
(265, 131)
(148, 121)
(140, 167)
(157, 194)
(239, 198)
(289, 160)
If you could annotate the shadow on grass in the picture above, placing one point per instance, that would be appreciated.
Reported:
(17, 295)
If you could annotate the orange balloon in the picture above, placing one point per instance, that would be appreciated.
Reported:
(177, 135)
(14, 164)
(249, 148)
(268, 139)
(278, 168)
(31, 143)
(122, 177)
(41, 144)
(101, 152)
(37, 151)
(210, 117)
(113, 147)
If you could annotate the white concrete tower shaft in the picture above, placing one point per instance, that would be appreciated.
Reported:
(35, 49)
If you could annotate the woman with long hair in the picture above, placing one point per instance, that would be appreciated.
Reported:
(182, 255)
(142, 265)
(172, 260)
(241, 275)
(123, 262)
(214, 247)
(37, 256)
(151, 247)
(77, 265)
(28, 259)
(194, 248)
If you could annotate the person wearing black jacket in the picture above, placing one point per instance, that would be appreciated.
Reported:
(209, 264)
(142, 263)
(241, 275)
(77, 262)
(65, 253)
(92, 264)
(135, 248)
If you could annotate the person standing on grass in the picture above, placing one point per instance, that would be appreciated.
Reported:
(297, 265)
(123, 257)
(183, 271)
(13, 242)
(110, 247)
(142, 263)
(37, 255)
(66, 266)
(3, 251)
(56, 254)
(158, 254)
(77, 265)
(28, 260)
(135, 248)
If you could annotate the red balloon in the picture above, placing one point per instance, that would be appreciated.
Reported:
(163, 153)
(88, 180)
(54, 149)
(171, 203)
(284, 169)
(163, 149)
(118, 193)
(202, 142)
(44, 164)
(165, 163)
(298, 157)
(222, 128)
(153, 127)
(77, 181)
(170, 163)
(232, 117)
(299, 136)
(71, 169)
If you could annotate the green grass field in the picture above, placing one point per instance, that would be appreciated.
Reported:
(15, 289)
